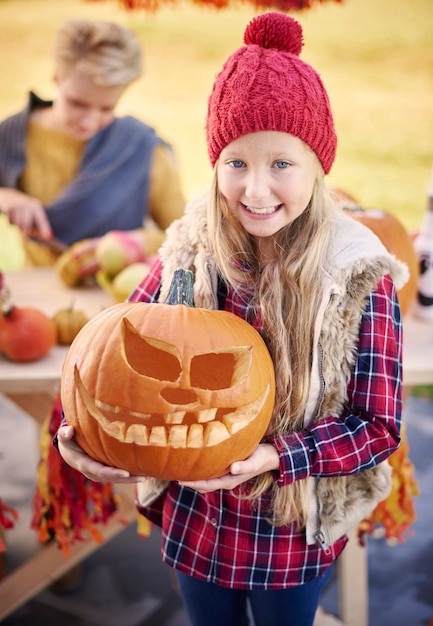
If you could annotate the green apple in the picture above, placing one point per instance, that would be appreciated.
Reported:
(116, 250)
(128, 279)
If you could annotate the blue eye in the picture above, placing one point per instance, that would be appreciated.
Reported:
(282, 165)
(237, 164)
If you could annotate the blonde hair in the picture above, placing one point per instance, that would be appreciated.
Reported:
(109, 54)
(288, 293)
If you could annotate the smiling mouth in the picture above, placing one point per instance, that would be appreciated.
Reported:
(206, 429)
(265, 211)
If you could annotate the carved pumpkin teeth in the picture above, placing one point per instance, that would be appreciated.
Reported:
(208, 415)
(208, 432)
(137, 433)
(175, 418)
(177, 437)
(158, 436)
(117, 409)
(214, 433)
(116, 429)
(195, 436)
(234, 422)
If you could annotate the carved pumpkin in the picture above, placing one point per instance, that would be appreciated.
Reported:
(168, 390)
(392, 234)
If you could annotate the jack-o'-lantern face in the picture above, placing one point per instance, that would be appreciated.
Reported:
(168, 390)
(425, 282)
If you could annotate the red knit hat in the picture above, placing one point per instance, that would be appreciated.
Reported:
(265, 86)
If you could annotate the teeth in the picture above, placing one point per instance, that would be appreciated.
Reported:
(207, 432)
(234, 422)
(215, 433)
(137, 433)
(195, 436)
(116, 429)
(117, 409)
(175, 418)
(158, 436)
(178, 436)
(265, 211)
(206, 416)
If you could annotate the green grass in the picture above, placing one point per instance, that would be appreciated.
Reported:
(375, 57)
(423, 391)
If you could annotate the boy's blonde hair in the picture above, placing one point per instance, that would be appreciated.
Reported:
(288, 293)
(109, 54)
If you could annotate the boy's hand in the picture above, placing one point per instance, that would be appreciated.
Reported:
(25, 212)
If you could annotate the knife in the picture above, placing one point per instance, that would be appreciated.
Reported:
(53, 244)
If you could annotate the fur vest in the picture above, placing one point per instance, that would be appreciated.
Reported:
(356, 262)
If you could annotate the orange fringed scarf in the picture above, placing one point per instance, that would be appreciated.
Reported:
(65, 501)
(8, 517)
(282, 5)
(397, 512)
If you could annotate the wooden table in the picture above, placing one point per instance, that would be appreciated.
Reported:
(32, 386)
(41, 288)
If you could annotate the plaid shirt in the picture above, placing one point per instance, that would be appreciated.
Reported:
(219, 537)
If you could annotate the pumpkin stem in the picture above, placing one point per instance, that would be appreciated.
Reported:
(355, 210)
(181, 288)
(6, 305)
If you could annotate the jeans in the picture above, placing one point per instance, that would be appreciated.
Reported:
(207, 604)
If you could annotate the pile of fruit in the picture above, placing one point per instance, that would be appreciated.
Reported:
(123, 264)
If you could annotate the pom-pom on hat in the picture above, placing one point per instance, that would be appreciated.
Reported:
(264, 85)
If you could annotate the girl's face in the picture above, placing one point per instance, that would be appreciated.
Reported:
(81, 108)
(267, 180)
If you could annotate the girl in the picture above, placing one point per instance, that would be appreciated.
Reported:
(268, 245)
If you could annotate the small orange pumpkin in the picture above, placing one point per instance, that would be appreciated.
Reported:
(392, 234)
(168, 390)
(69, 322)
(26, 333)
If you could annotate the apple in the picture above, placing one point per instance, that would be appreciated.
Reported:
(122, 285)
(116, 250)
(128, 279)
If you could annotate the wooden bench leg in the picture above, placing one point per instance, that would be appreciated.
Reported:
(353, 582)
(49, 563)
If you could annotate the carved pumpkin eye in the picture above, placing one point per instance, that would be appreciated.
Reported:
(424, 263)
(150, 357)
(162, 361)
(220, 370)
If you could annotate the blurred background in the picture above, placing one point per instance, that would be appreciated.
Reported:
(376, 59)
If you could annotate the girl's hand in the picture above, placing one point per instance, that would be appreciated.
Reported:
(79, 460)
(264, 459)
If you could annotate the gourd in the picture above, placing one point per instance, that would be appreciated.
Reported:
(26, 333)
(69, 322)
(168, 390)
